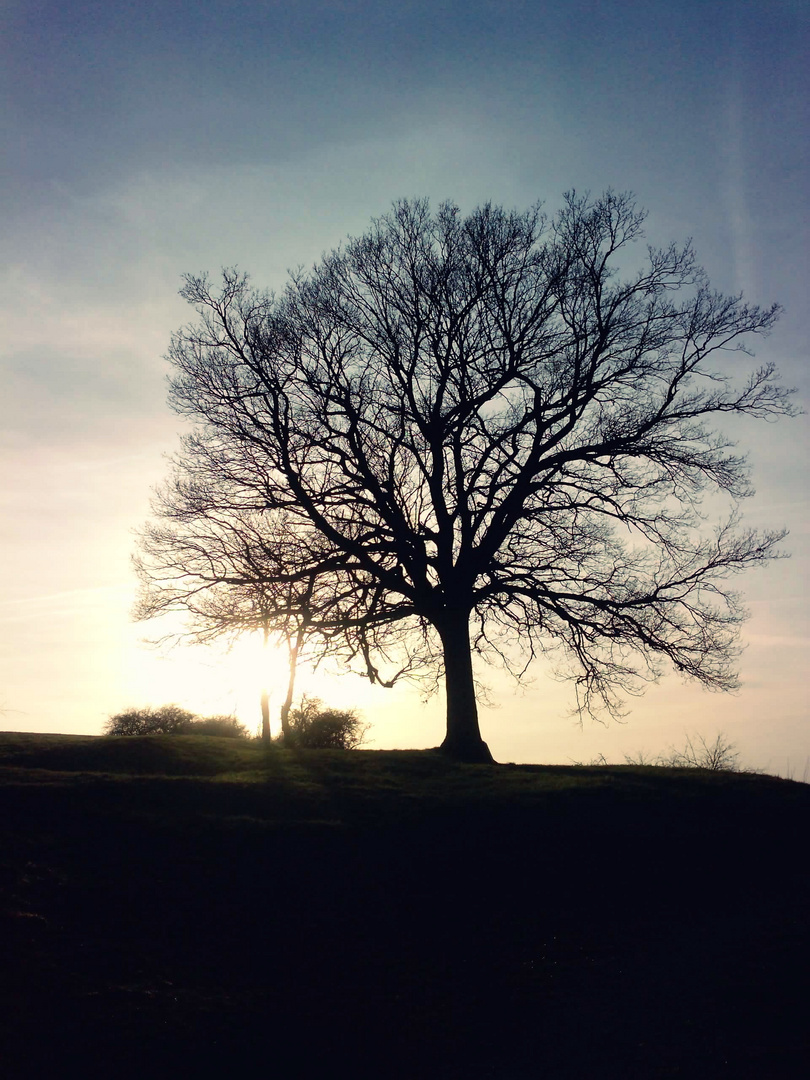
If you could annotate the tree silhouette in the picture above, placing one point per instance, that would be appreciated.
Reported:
(227, 574)
(467, 434)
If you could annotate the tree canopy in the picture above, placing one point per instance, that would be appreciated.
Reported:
(490, 433)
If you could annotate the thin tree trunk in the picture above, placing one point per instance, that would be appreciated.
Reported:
(266, 694)
(265, 717)
(463, 740)
(293, 647)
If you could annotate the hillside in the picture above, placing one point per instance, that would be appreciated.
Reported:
(173, 904)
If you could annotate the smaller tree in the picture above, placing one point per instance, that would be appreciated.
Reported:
(311, 727)
(232, 583)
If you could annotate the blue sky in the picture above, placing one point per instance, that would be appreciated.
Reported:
(142, 141)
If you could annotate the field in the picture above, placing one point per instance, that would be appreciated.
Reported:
(175, 905)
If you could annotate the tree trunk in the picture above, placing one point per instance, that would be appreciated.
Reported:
(293, 646)
(266, 695)
(463, 740)
(265, 718)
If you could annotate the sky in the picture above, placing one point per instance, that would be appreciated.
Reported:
(144, 141)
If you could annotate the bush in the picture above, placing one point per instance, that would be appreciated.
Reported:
(223, 726)
(718, 756)
(314, 728)
(164, 720)
(172, 720)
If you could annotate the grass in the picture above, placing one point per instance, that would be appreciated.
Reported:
(180, 903)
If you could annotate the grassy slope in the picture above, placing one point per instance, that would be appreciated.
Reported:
(191, 899)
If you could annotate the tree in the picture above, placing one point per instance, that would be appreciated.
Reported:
(232, 580)
(474, 435)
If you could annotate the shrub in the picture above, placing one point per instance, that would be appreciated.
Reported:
(164, 720)
(718, 756)
(223, 726)
(314, 728)
(172, 720)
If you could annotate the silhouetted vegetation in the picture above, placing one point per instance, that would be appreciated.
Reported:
(163, 720)
(469, 433)
(172, 720)
(222, 726)
(698, 753)
(312, 727)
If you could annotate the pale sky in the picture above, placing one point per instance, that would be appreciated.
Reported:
(142, 141)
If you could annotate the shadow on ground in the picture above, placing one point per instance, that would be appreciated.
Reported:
(176, 925)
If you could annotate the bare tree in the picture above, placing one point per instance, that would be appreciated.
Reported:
(226, 569)
(232, 571)
(474, 434)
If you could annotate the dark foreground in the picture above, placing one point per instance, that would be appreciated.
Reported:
(391, 915)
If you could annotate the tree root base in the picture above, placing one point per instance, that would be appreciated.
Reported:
(472, 752)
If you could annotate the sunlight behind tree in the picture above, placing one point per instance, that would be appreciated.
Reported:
(220, 677)
(462, 436)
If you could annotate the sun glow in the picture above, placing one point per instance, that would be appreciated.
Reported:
(216, 679)
(228, 679)
(250, 668)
